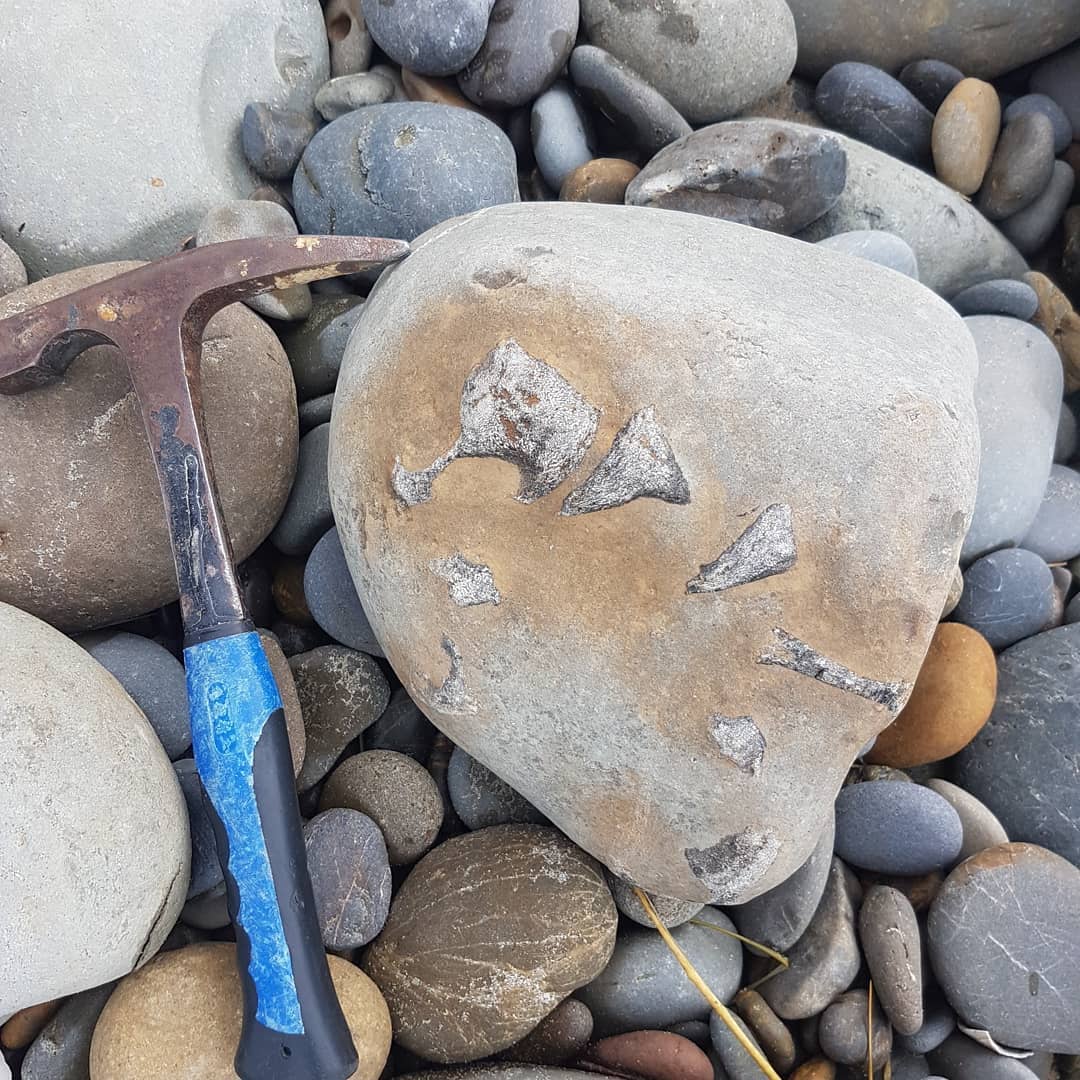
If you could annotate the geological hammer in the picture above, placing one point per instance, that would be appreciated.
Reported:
(293, 1026)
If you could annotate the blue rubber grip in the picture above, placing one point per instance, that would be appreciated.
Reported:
(232, 694)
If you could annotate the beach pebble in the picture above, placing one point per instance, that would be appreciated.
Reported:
(671, 911)
(865, 102)
(61, 1050)
(1058, 77)
(1031, 227)
(889, 934)
(331, 596)
(931, 81)
(1068, 434)
(1017, 398)
(348, 92)
(436, 37)
(1022, 763)
(981, 828)
(939, 1022)
(273, 139)
(561, 134)
(964, 135)
(402, 728)
(1060, 322)
(307, 514)
(1021, 167)
(499, 926)
(956, 589)
(1055, 532)
(876, 246)
(562, 1034)
(397, 169)
(153, 677)
(652, 1055)
(341, 693)
(1008, 596)
(842, 1032)
(350, 876)
(1003, 296)
(346, 31)
(315, 411)
(316, 345)
(772, 1034)
(481, 799)
(528, 42)
(601, 180)
(638, 112)
(435, 90)
(290, 700)
(950, 702)
(206, 869)
(397, 793)
(961, 1058)
(737, 1063)
(12, 271)
(1063, 129)
(763, 173)
(896, 828)
(643, 987)
(1004, 940)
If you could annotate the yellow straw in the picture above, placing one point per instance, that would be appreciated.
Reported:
(717, 1005)
(780, 958)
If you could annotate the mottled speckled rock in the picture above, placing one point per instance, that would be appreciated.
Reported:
(980, 37)
(350, 42)
(1017, 397)
(1005, 296)
(487, 935)
(1004, 939)
(877, 246)
(71, 454)
(332, 598)
(481, 799)
(965, 132)
(398, 169)
(671, 912)
(86, 783)
(147, 176)
(643, 987)
(720, 827)
(1023, 764)
(954, 244)
(1055, 532)
(1008, 596)
(180, 1017)
(436, 37)
(709, 58)
(889, 934)
(1021, 167)
(562, 1034)
(763, 173)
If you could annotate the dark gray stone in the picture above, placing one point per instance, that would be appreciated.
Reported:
(297, 639)
(432, 37)
(316, 345)
(206, 869)
(1058, 77)
(528, 42)
(331, 596)
(481, 799)
(153, 677)
(896, 828)
(871, 105)
(1030, 228)
(876, 246)
(398, 169)
(911, 1067)
(889, 933)
(638, 112)
(273, 139)
(1004, 940)
(1068, 435)
(1072, 610)
(61, 1050)
(561, 134)
(1003, 296)
(1008, 596)
(402, 728)
(779, 917)
(939, 1022)
(758, 172)
(930, 80)
(981, 828)
(1063, 129)
(315, 411)
(1025, 762)
(842, 1031)
(670, 911)
(350, 876)
(824, 961)
(643, 987)
(1055, 532)
(1020, 168)
(738, 1064)
(307, 514)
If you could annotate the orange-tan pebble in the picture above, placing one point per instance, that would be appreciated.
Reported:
(965, 133)
(602, 180)
(22, 1028)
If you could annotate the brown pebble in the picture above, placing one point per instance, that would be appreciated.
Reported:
(952, 699)
(602, 180)
(1060, 323)
(965, 131)
(435, 90)
(288, 590)
(770, 1031)
(290, 700)
(653, 1055)
(818, 1069)
(561, 1035)
(22, 1028)
(920, 891)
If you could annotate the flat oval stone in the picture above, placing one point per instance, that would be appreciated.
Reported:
(1008, 596)
(950, 702)
(528, 43)
(1055, 532)
(601, 180)
(397, 169)
(637, 111)
(316, 345)
(652, 1055)
(1005, 296)
(961, 1058)
(561, 134)
(1057, 78)
(1022, 763)
(1004, 940)
(347, 92)
(331, 596)
(315, 411)
(1063, 129)
(670, 911)
(876, 246)
(1017, 398)
(562, 1035)
(771, 1033)
(896, 828)
(307, 514)
(889, 934)
(499, 926)
(981, 828)
(762, 173)
(481, 799)
(1030, 228)
(709, 59)
(965, 132)
(824, 961)
(1021, 167)
(437, 37)
(273, 139)
(842, 1032)
(930, 81)
(869, 104)
(643, 987)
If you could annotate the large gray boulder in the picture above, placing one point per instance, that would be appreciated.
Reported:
(617, 530)
(954, 244)
(94, 852)
(123, 153)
